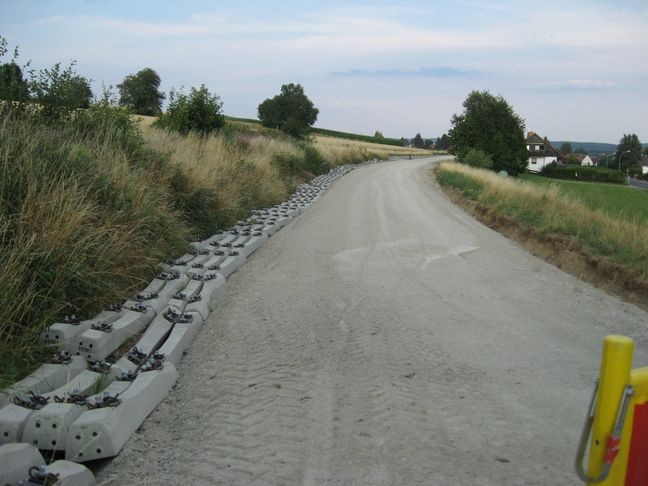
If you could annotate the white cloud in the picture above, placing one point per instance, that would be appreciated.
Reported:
(577, 85)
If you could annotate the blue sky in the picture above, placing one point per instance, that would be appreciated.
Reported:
(573, 70)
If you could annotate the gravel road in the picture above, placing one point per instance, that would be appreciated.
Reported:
(384, 338)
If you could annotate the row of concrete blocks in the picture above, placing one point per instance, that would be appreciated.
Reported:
(22, 464)
(60, 416)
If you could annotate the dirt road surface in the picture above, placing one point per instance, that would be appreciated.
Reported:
(384, 338)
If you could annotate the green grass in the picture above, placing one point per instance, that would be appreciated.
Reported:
(619, 201)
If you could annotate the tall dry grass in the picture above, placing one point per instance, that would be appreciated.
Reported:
(338, 149)
(89, 206)
(548, 211)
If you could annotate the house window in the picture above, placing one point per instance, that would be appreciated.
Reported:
(534, 160)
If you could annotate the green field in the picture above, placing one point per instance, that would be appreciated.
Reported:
(624, 201)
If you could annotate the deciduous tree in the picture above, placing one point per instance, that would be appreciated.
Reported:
(488, 123)
(199, 111)
(141, 94)
(13, 86)
(290, 111)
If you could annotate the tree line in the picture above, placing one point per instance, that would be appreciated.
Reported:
(59, 91)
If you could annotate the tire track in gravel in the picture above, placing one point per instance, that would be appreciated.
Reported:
(386, 338)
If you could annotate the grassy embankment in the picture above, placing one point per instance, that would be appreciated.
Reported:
(89, 206)
(591, 239)
(620, 201)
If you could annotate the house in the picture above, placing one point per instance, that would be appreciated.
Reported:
(584, 159)
(540, 152)
(644, 166)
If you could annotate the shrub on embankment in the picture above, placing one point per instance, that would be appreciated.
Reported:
(546, 211)
(90, 204)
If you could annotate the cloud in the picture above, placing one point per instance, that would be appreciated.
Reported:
(431, 72)
(576, 85)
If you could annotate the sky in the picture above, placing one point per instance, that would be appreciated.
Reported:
(573, 70)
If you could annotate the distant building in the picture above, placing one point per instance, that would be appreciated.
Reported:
(644, 166)
(540, 152)
(584, 159)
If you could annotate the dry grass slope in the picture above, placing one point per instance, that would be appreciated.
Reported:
(548, 212)
(90, 206)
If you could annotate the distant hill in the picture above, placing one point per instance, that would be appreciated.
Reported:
(592, 148)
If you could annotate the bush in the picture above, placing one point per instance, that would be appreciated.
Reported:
(200, 112)
(60, 91)
(477, 158)
(583, 173)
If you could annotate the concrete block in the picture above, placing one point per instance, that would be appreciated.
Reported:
(96, 345)
(181, 336)
(253, 244)
(62, 335)
(70, 474)
(102, 432)
(12, 423)
(16, 460)
(84, 383)
(227, 241)
(232, 263)
(14, 417)
(155, 334)
(214, 262)
(270, 229)
(47, 377)
(283, 221)
(211, 281)
(241, 241)
(158, 293)
(47, 428)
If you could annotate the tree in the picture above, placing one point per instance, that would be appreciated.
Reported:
(581, 150)
(140, 93)
(443, 142)
(417, 141)
(488, 123)
(199, 111)
(628, 151)
(13, 86)
(290, 111)
(60, 91)
(566, 148)
(379, 135)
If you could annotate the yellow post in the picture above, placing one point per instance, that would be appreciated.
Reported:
(616, 365)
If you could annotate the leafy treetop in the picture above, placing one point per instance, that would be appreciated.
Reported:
(290, 111)
(628, 151)
(488, 123)
(140, 93)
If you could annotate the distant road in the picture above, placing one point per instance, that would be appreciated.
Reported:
(384, 337)
(638, 183)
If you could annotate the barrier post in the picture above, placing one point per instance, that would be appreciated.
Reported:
(616, 365)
